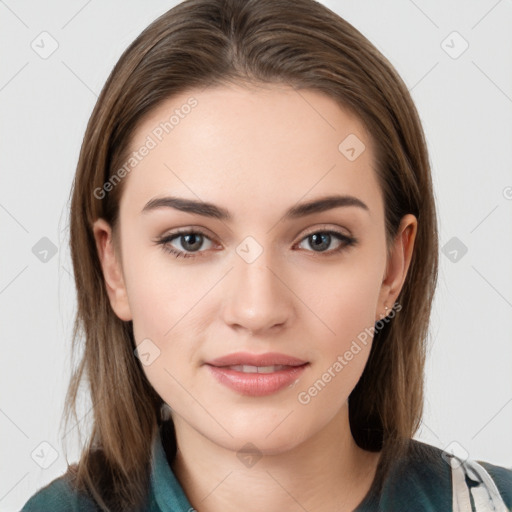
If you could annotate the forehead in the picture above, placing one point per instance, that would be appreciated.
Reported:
(242, 146)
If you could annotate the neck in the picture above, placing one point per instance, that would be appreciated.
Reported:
(326, 472)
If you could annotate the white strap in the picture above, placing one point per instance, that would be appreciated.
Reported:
(486, 496)
(460, 491)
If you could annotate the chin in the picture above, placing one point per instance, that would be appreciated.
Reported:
(269, 437)
(257, 444)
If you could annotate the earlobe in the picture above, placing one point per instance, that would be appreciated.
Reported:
(399, 262)
(112, 271)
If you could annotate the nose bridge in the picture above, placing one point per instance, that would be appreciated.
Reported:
(257, 298)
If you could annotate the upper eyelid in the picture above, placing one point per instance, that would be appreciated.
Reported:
(325, 228)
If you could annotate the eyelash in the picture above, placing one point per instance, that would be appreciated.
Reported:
(164, 242)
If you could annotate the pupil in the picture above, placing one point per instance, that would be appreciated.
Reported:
(197, 243)
(323, 239)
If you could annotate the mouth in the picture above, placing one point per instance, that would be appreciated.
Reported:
(247, 359)
(258, 380)
(257, 369)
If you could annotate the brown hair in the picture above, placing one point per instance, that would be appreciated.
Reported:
(213, 42)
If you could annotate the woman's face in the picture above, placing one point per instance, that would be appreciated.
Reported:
(266, 274)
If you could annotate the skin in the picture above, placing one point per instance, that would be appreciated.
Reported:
(256, 150)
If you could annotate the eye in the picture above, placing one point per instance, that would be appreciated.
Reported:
(190, 241)
(321, 240)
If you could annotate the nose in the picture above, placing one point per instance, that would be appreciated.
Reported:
(257, 296)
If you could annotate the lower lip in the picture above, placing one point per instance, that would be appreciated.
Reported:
(257, 384)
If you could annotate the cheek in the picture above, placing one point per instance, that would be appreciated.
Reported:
(343, 298)
(157, 290)
(167, 315)
(344, 338)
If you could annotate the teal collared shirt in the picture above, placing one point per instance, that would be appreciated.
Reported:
(421, 482)
(166, 493)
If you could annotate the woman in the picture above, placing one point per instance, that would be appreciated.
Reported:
(254, 241)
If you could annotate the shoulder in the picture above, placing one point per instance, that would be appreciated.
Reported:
(59, 496)
(419, 481)
(502, 478)
(423, 480)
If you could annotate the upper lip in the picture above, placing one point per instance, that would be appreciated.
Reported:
(246, 358)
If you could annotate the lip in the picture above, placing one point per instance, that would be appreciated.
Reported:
(246, 358)
(257, 384)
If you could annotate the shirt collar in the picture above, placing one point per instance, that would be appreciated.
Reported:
(165, 487)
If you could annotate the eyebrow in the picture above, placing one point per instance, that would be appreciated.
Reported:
(206, 209)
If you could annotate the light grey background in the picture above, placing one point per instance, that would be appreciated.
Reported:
(465, 102)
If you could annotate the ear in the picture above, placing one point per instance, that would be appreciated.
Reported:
(398, 265)
(112, 272)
